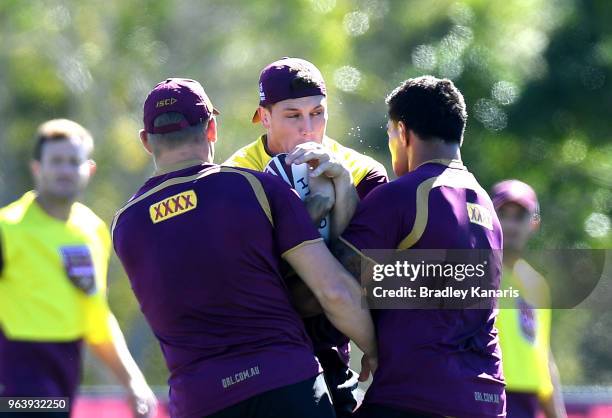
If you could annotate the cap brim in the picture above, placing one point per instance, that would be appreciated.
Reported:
(216, 112)
(256, 117)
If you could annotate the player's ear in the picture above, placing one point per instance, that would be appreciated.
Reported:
(265, 116)
(92, 167)
(35, 168)
(535, 223)
(211, 130)
(144, 138)
(403, 133)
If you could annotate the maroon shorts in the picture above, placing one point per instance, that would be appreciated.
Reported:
(45, 369)
(521, 405)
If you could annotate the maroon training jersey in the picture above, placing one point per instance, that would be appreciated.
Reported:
(202, 247)
(440, 361)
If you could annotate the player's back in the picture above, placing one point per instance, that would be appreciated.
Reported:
(202, 248)
(434, 359)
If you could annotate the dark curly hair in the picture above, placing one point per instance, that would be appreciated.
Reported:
(431, 107)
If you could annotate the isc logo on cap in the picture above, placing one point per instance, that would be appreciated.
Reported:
(173, 206)
(166, 102)
(262, 95)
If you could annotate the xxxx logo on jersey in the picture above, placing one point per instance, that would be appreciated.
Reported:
(173, 206)
(480, 215)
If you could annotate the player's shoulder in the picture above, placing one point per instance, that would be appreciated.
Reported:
(270, 184)
(85, 215)
(409, 183)
(252, 155)
(526, 271)
(241, 154)
(399, 192)
(446, 173)
(244, 172)
(535, 286)
(392, 193)
(352, 157)
(12, 213)
(15, 211)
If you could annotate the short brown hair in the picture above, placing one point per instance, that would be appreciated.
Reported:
(61, 129)
(176, 138)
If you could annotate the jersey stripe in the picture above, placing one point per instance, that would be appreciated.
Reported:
(255, 184)
(460, 179)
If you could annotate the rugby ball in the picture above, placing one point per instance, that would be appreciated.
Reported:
(296, 176)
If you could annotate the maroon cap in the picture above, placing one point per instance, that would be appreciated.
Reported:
(517, 192)
(180, 95)
(282, 80)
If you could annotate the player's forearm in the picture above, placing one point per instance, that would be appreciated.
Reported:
(318, 207)
(350, 259)
(345, 205)
(554, 406)
(343, 306)
(337, 292)
(116, 356)
(302, 298)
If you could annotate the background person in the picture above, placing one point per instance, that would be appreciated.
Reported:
(532, 379)
(53, 264)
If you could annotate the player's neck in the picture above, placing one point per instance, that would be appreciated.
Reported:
(434, 151)
(55, 207)
(175, 157)
(511, 257)
(272, 146)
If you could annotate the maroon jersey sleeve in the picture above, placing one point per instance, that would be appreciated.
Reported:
(292, 224)
(380, 223)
